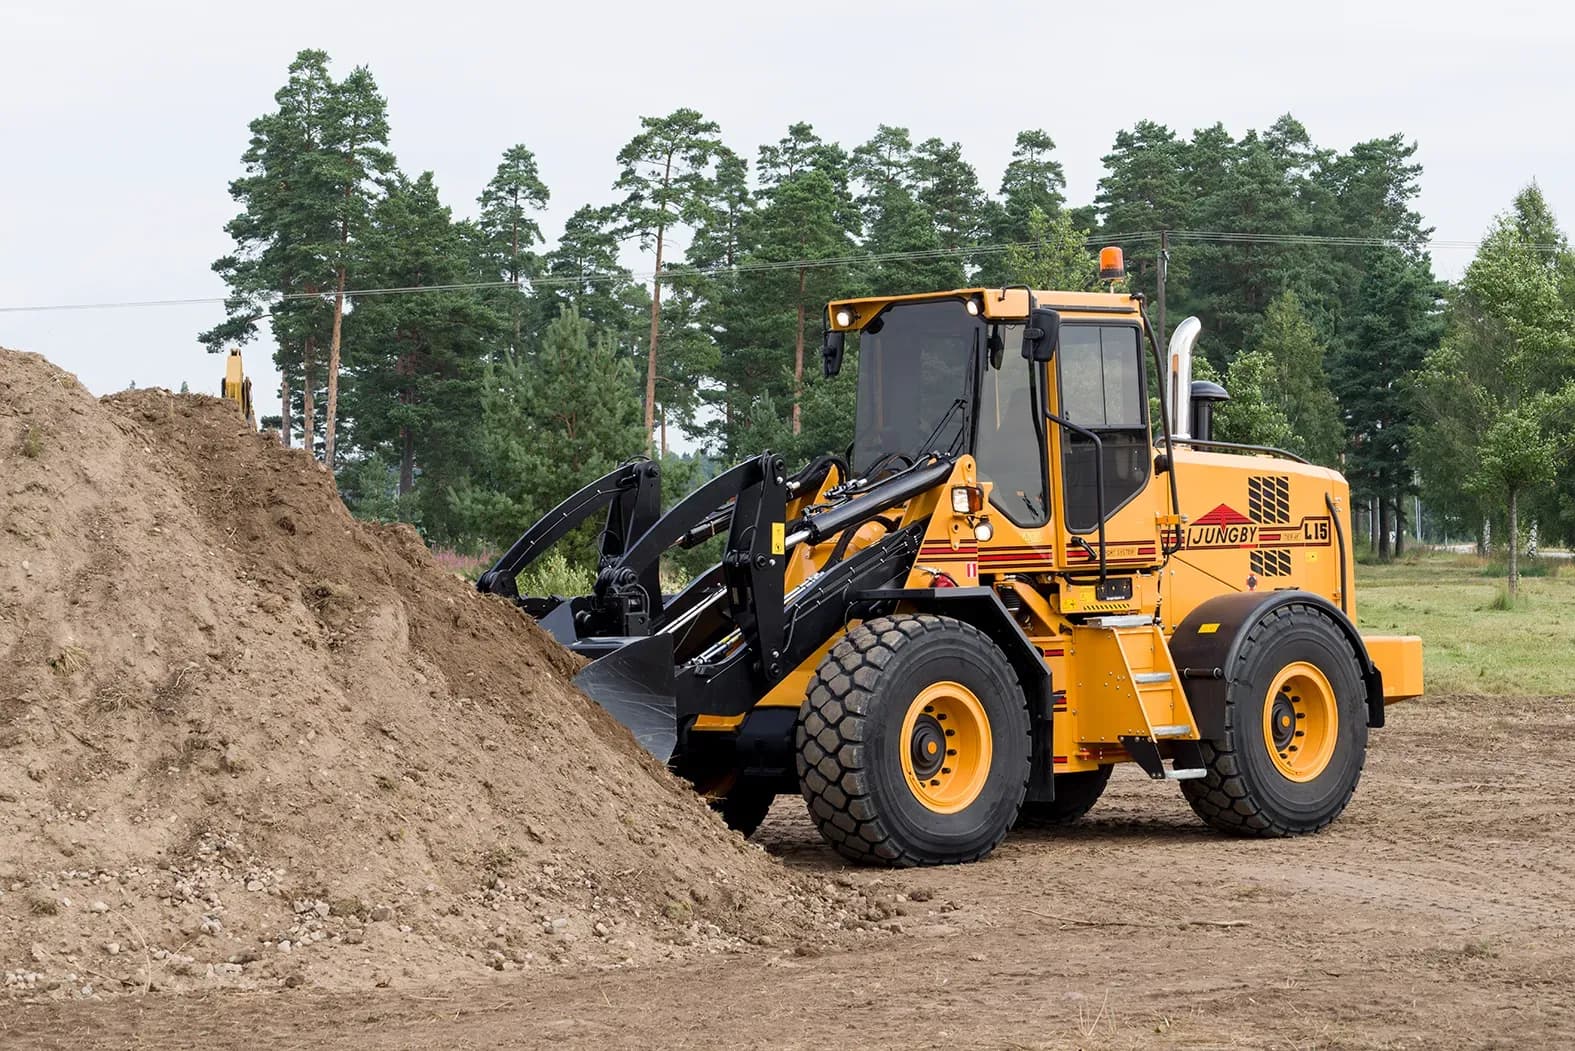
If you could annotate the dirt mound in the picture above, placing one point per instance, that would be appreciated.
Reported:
(246, 739)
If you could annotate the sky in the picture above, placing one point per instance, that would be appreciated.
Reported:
(121, 124)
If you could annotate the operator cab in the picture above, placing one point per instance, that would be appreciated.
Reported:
(948, 374)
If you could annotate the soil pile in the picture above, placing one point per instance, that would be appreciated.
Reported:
(246, 739)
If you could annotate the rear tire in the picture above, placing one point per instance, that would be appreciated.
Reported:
(1075, 795)
(1295, 730)
(913, 743)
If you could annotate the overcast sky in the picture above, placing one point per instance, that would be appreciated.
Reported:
(121, 124)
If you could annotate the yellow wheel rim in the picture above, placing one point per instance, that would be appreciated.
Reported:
(1301, 721)
(945, 747)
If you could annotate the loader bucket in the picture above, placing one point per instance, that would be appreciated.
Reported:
(633, 681)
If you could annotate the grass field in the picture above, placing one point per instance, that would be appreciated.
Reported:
(1470, 645)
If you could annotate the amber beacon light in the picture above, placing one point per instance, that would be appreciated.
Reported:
(1112, 267)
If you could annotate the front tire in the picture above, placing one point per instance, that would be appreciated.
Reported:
(913, 743)
(1295, 730)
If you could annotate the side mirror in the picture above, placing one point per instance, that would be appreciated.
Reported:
(1042, 335)
(831, 352)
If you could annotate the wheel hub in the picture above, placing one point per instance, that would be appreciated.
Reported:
(946, 747)
(1301, 721)
(927, 745)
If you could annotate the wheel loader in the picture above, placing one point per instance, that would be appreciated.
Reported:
(1033, 563)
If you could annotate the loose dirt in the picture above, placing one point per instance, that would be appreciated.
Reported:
(1433, 914)
(248, 741)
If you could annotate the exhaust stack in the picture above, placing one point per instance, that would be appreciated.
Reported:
(1181, 342)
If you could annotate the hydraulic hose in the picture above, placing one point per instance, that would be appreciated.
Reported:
(888, 494)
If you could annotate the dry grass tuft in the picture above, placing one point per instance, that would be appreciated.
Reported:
(70, 660)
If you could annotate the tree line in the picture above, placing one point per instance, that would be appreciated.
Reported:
(464, 374)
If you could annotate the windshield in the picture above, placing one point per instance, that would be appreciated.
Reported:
(916, 368)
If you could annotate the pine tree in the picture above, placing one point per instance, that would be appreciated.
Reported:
(509, 228)
(289, 201)
(549, 425)
(1391, 326)
(663, 172)
(896, 224)
(1031, 180)
(582, 270)
(802, 219)
(357, 143)
(416, 362)
(1299, 381)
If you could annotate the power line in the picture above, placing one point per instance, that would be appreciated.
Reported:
(767, 266)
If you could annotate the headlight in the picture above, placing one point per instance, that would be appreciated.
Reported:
(844, 317)
(983, 532)
(967, 499)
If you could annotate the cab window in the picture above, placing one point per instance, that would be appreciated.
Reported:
(1008, 447)
(1101, 378)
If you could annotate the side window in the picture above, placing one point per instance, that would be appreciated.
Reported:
(1009, 452)
(1101, 371)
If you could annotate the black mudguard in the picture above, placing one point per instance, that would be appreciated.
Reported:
(1206, 643)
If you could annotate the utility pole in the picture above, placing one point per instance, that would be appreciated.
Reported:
(1164, 265)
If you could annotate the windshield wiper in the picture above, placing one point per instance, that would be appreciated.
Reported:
(960, 403)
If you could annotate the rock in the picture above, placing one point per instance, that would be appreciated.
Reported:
(382, 913)
(98, 906)
(284, 945)
(354, 937)
(246, 956)
(293, 981)
(113, 948)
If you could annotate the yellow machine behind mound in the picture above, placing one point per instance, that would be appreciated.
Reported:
(236, 388)
(1019, 577)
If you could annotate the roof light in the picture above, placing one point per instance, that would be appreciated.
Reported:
(844, 317)
(973, 306)
(1112, 265)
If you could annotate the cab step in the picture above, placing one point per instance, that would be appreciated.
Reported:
(1174, 730)
(1185, 774)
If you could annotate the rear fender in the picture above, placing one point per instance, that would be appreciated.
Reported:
(1205, 645)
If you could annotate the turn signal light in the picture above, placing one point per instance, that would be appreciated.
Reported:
(967, 499)
(1112, 265)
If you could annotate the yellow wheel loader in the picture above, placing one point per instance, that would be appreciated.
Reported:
(1019, 577)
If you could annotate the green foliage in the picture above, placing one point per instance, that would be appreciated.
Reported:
(550, 422)
(1254, 415)
(469, 412)
(554, 574)
(1495, 390)
(415, 361)
(311, 173)
(1057, 256)
(1298, 382)
(369, 486)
